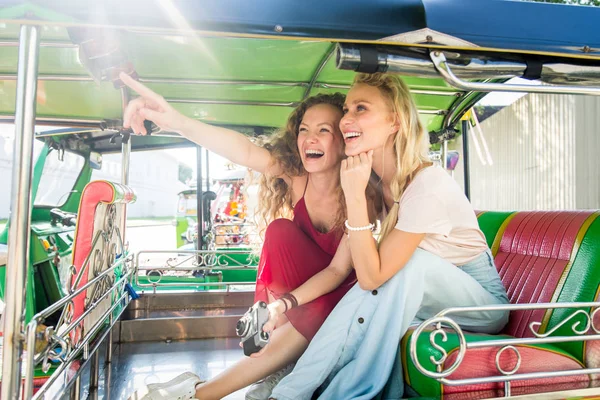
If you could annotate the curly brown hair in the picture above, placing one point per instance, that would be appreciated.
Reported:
(275, 197)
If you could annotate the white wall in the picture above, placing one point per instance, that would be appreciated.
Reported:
(544, 152)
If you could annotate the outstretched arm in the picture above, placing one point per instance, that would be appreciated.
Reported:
(228, 143)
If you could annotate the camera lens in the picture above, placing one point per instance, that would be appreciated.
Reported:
(240, 327)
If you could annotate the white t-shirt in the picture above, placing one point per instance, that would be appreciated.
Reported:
(435, 205)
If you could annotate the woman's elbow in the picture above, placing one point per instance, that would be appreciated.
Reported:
(368, 284)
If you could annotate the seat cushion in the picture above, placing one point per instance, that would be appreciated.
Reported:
(480, 362)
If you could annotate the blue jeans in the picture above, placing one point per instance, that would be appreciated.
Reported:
(354, 352)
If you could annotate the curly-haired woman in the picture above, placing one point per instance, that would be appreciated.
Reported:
(301, 275)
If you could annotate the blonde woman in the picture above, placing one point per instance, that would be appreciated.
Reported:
(431, 253)
(301, 274)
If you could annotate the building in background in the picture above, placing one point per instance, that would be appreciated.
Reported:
(540, 153)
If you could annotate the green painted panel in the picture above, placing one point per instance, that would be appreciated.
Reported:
(237, 115)
(67, 99)
(267, 93)
(225, 58)
(423, 101)
(54, 61)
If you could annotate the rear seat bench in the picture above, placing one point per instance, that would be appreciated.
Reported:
(542, 257)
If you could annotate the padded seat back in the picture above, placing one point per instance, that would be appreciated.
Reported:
(98, 244)
(546, 256)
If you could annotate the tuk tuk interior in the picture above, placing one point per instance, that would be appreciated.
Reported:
(233, 64)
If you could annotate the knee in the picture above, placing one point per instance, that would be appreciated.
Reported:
(280, 229)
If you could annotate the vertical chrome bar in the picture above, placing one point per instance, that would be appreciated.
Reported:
(126, 147)
(465, 144)
(20, 216)
(109, 344)
(445, 154)
(199, 202)
(207, 155)
(507, 389)
(31, 331)
(107, 381)
(94, 371)
(76, 389)
(125, 159)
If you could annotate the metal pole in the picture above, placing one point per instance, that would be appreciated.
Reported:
(94, 371)
(465, 145)
(20, 216)
(207, 155)
(125, 158)
(126, 147)
(445, 154)
(76, 389)
(199, 202)
(107, 382)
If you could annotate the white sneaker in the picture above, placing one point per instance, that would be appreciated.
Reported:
(182, 387)
(261, 390)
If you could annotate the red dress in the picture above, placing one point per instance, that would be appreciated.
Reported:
(294, 251)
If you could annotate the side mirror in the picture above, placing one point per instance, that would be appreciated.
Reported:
(95, 160)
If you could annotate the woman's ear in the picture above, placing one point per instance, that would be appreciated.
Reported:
(395, 124)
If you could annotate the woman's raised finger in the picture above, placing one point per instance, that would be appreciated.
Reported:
(140, 88)
(131, 110)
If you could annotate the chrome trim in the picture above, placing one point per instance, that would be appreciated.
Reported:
(318, 71)
(196, 260)
(71, 122)
(68, 358)
(175, 81)
(19, 240)
(444, 70)
(62, 45)
(233, 102)
(416, 91)
(442, 318)
(220, 82)
(45, 77)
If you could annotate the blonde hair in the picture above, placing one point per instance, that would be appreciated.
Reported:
(411, 142)
(275, 197)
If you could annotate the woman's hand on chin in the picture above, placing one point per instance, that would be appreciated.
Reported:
(354, 175)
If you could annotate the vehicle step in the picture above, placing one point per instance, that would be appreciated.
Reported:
(179, 328)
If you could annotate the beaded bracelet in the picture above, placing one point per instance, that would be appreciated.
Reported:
(369, 227)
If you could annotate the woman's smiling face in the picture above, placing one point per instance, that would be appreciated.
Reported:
(319, 139)
(368, 121)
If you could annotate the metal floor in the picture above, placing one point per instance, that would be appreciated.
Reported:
(137, 364)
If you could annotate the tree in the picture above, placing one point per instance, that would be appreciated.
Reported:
(185, 173)
(573, 2)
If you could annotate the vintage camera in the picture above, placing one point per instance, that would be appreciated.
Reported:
(250, 328)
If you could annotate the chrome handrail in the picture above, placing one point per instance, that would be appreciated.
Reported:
(201, 260)
(588, 310)
(441, 64)
(32, 360)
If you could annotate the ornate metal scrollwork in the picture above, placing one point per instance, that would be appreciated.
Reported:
(517, 365)
(587, 323)
(109, 220)
(438, 331)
